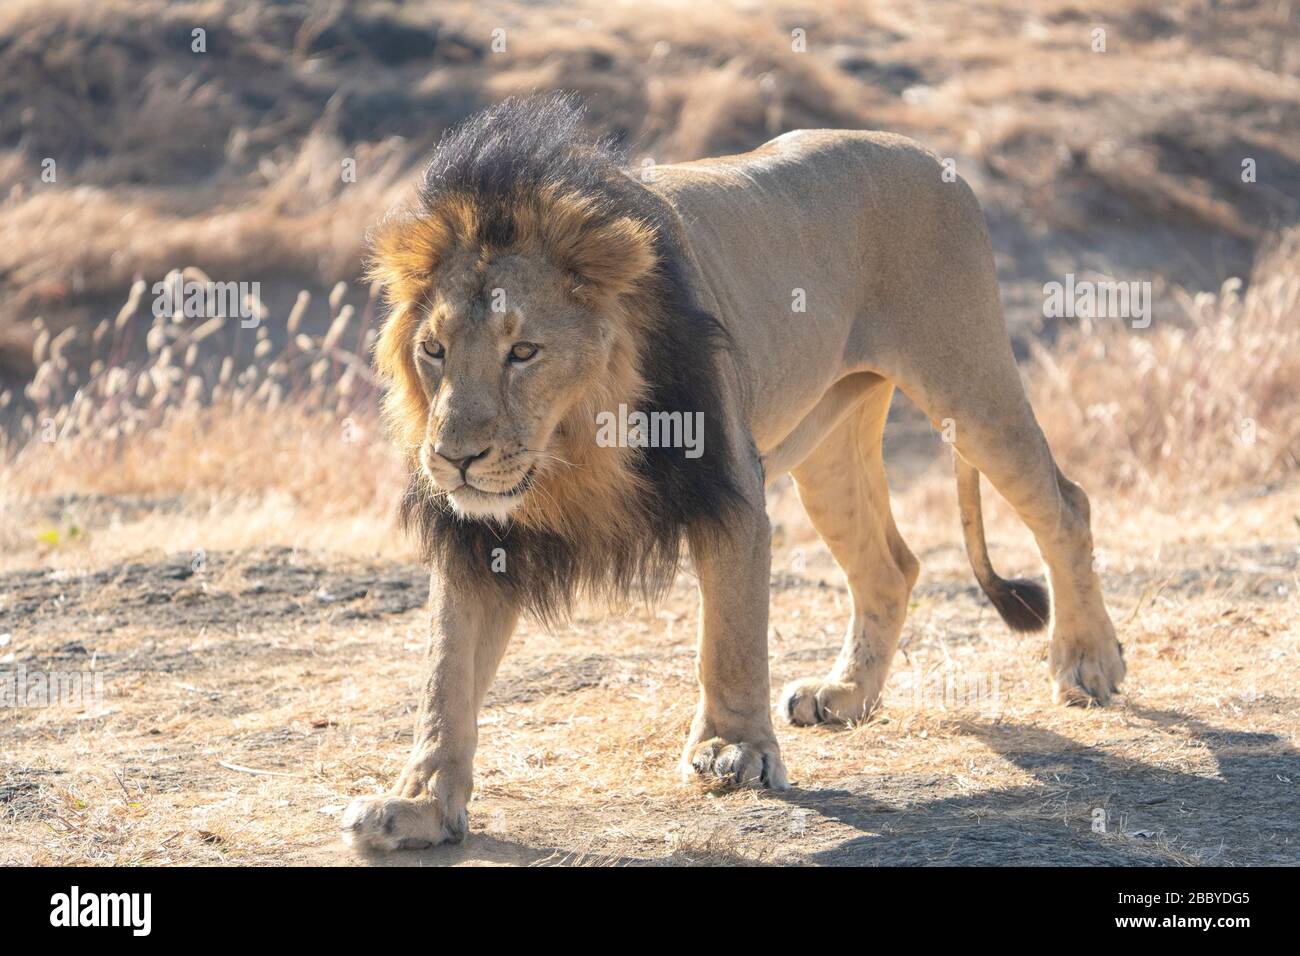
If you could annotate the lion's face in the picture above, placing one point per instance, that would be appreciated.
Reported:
(504, 343)
(504, 353)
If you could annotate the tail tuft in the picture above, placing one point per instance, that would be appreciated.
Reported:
(1024, 605)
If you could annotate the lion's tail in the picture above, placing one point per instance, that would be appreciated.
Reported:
(1024, 605)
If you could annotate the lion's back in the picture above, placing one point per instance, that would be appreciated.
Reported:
(814, 169)
(791, 200)
(827, 244)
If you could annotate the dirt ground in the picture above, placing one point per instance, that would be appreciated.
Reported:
(247, 695)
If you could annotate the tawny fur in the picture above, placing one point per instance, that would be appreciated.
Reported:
(686, 289)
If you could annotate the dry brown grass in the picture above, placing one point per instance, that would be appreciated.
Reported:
(1163, 419)
(582, 728)
(229, 161)
(1196, 403)
(251, 429)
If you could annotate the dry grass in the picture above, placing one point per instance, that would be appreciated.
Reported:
(261, 434)
(1119, 162)
(251, 433)
(582, 729)
(1197, 403)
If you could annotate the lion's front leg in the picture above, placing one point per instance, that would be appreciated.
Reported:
(732, 737)
(471, 627)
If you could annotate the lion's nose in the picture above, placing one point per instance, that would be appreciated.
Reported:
(460, 462)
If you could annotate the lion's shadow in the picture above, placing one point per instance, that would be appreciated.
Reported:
(1152, 812)
(482, 848)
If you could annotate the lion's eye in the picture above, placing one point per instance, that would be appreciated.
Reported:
(432, 349)
(523, 351)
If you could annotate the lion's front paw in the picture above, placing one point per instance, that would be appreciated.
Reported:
(399, 823)
(1086, 675)
(740, 764)
(811, 701)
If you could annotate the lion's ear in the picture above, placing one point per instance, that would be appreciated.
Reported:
(602, 259)
(406, 249)
(612, 259)
(398, 256)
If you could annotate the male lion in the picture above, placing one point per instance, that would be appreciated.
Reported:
(536, 285)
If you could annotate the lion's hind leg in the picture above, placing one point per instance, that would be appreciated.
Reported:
(994, 430)
(843, 488)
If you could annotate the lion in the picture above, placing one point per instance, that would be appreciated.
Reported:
(777, 297)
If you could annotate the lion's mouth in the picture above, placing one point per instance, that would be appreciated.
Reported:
(471, 501)
(524, 484)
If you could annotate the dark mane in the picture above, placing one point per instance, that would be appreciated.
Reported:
(523, 146)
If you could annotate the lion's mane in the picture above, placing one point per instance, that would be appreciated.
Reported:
(522, 176)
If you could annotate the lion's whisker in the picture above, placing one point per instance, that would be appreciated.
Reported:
(552, 457)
